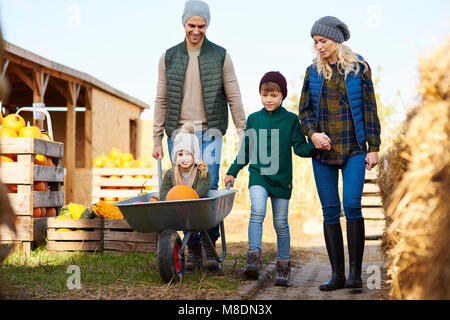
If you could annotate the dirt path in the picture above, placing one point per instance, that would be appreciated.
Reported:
(311, 266)
(307, 274)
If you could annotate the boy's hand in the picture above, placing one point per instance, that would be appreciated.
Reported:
(229, 179)
(321, 141)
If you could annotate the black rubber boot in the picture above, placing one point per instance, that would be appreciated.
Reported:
(355, 241)
(335, 248)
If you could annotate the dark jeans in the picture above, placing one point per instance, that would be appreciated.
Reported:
(326, 176)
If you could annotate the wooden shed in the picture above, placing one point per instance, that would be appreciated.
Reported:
(88, 116)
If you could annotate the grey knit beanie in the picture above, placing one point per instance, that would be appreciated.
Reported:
(331, 28)
(196, 8)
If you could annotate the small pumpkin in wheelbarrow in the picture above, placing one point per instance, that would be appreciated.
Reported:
(181, 192)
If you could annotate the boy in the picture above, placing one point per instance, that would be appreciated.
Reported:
(270, 135)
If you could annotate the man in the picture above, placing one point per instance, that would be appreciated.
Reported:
(196, 83)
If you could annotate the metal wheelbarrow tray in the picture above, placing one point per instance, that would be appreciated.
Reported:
(167, 217)
(179, 215)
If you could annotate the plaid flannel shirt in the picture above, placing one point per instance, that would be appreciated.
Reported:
(335, 118)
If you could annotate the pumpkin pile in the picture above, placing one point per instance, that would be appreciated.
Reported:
(117, 159)
(40, 212)
(13, 126)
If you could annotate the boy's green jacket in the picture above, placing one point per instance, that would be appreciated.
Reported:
(269, 167)
(200, 185)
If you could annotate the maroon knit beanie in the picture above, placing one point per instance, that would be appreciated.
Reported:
(278, 78)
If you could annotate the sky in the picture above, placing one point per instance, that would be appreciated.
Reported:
(120, 42)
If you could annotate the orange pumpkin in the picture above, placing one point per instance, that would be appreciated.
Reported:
(37, 212)
(14, 122)
(49, 162)
(40, 186)
(114, 153)
(126, 156)
(30, 131)
(51, 212)
(11, 188)
(181, 192)
(7, 158)
(99, 162)
(7, 133)
(45, 136)
(141, 163)
(40, 159)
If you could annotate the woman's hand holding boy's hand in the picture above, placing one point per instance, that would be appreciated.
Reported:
(229, 179)
(321, 141)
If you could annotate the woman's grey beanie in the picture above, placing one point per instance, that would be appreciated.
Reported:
(196, 8)
(331, 28)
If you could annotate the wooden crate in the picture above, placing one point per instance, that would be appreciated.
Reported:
(118, 236)
(372, 208)
(24, 173)
(129, 186)
(89, 239)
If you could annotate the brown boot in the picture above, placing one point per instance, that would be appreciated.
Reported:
(209, 262)
(194, 259)
(283, 273)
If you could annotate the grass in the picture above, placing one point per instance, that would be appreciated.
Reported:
(43, 275)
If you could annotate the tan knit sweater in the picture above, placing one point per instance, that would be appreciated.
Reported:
(192, 108)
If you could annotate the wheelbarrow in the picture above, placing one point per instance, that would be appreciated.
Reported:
(168, 217)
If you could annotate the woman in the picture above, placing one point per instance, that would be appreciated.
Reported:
(339, 115)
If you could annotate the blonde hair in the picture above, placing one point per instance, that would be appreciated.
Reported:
(347, 62)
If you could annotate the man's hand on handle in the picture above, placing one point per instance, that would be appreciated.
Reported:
(158, 152)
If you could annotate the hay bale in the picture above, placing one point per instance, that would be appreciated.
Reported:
(419, 208)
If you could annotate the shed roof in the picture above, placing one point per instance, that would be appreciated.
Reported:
(62, 69)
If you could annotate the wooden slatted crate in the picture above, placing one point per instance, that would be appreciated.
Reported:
(24, 173)
(372, 208)
(118, 236)
(86, 236)
(126, 186)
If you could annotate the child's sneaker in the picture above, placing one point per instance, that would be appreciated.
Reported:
(283, 273)
(254, 260)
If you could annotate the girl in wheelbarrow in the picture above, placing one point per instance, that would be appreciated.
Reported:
(272, 131)
(188, 169)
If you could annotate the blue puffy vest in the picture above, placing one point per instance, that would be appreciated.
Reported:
(354, 93)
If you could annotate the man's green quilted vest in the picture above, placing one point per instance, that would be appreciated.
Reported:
(210, 61)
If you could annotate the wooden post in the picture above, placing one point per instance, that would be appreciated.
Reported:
(40, 82)
(73, 91)
(88, 129)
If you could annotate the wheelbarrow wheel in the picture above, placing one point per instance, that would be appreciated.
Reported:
(170, 266)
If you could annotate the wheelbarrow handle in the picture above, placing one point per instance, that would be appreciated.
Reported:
(159, 174)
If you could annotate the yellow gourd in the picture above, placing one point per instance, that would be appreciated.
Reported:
(76, 210)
